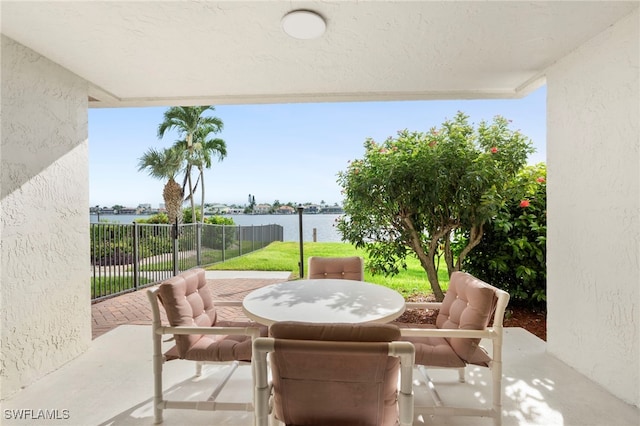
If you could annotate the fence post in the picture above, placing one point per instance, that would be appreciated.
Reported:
(136, 264)
(224, 242)
(240, 238)
(174, 236)
(198, 243)
(301, 264)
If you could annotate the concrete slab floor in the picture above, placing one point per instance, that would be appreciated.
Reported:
(112, 384)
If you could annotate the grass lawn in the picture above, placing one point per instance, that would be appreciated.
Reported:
(104, 286)
(284, 256)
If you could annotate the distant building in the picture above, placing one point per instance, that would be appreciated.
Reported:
(332, 210)
(312, 209)
(217, 209)
(285, 210)
(262, 209)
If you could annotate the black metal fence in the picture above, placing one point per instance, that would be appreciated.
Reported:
(127, 257)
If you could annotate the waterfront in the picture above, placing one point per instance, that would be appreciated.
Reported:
(323, 223)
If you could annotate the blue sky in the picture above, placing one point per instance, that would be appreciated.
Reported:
(284, 152)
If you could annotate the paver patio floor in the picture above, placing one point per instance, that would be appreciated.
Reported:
(133, 308)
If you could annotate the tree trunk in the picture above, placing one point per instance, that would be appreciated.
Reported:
(172, 194)
(474, 239)
(426, 260)
(202, 195)
(448, 254)
(193, 204)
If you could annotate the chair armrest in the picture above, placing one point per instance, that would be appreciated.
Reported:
(245, 331)
(423, 305)
(227, 302)
(488, 333)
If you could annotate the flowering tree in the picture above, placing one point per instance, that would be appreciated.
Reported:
(513, 249)
(414, 192)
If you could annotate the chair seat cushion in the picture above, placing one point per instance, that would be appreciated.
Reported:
(215, 348)
(432, 351)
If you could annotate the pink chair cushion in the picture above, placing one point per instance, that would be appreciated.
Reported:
(335, 332)
(468, 305)
(354, 385)
(347, 268)
(432, 351)
(188, 302)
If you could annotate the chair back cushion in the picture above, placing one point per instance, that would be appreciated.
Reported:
(348, 268)
(334, 374)
(188, 301)
(468, 305)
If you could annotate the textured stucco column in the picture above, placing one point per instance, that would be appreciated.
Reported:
(594, 209)
(45, 308)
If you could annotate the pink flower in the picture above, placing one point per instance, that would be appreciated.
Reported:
(541, 180)
(494, 150)
(383, 150)
(524, 203)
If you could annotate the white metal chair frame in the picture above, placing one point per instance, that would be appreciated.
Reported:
(159, 330)
(263, 387)
(493, 333)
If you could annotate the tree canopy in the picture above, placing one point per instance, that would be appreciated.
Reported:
(166, 164)
(198, 147)
(414, 193)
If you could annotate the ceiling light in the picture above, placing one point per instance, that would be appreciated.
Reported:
(303, 24)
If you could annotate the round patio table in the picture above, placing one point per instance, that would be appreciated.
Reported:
(322, 301)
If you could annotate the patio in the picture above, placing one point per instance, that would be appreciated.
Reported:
(94, 389)
(586, 53)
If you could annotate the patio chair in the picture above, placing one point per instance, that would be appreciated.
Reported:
(463, 319)
(347, 268)
(199, 336)
(333, 374)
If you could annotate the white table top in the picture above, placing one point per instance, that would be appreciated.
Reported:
(323, 300)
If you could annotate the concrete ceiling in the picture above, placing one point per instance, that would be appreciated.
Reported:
(229, 52)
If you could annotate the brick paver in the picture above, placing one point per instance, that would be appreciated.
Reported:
(133, 308)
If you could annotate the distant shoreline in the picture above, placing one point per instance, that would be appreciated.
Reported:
(322, 224)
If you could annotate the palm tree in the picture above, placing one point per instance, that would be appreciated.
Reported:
(166, 164)
(202, 158)
(194, 128)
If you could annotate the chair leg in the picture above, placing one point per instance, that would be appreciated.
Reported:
(430, 386)
(199, 368)
(461, 377)
(158, 360)
(496, 373)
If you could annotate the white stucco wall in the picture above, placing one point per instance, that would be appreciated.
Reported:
(45, 303)
(593, 246)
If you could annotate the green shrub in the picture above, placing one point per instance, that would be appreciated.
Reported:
(158, 218)
(512, 254)
(219, 220)
(213, 236)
